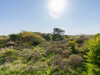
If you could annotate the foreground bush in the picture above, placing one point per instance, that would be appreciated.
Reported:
(7, 56)
(94, 50)
(93, 55)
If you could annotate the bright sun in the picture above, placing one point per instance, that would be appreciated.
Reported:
(56, 7)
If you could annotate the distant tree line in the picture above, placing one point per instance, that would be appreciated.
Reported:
(58, 34)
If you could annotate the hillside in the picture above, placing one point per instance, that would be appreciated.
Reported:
(32, 53)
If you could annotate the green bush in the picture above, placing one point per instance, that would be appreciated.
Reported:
(8, 56)
(13, 37)
(47, 37)
(96, 35)
(93, 55)
(30, 38)
(57, 37)
(29, 55)
(72, 46)
(94, 50)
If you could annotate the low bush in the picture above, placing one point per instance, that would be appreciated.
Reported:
(30, 38)
(75, 60)
(72, 46)
(13, 37)
(8, 56)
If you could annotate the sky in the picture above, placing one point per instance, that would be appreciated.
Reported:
(74, 16)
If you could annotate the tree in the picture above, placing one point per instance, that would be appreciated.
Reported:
(58, 31)
(57, 34)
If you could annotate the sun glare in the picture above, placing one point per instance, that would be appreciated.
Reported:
(56, 7)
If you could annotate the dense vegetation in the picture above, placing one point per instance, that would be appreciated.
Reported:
(34, 53)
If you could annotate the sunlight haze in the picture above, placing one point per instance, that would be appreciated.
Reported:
(56, 7)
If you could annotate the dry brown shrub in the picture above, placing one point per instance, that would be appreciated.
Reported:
(75, 60)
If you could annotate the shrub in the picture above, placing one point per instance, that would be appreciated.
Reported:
(96, 35)
(72, 46)
(28, 55)
(8, 56)
(66, 53)
(47, 37)
(75, 60)
(55, 60)
(80, 40)
(55, 63)
(94, 50)
(13, 37)
(57, 37)
(11, 43)
(30, 38)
